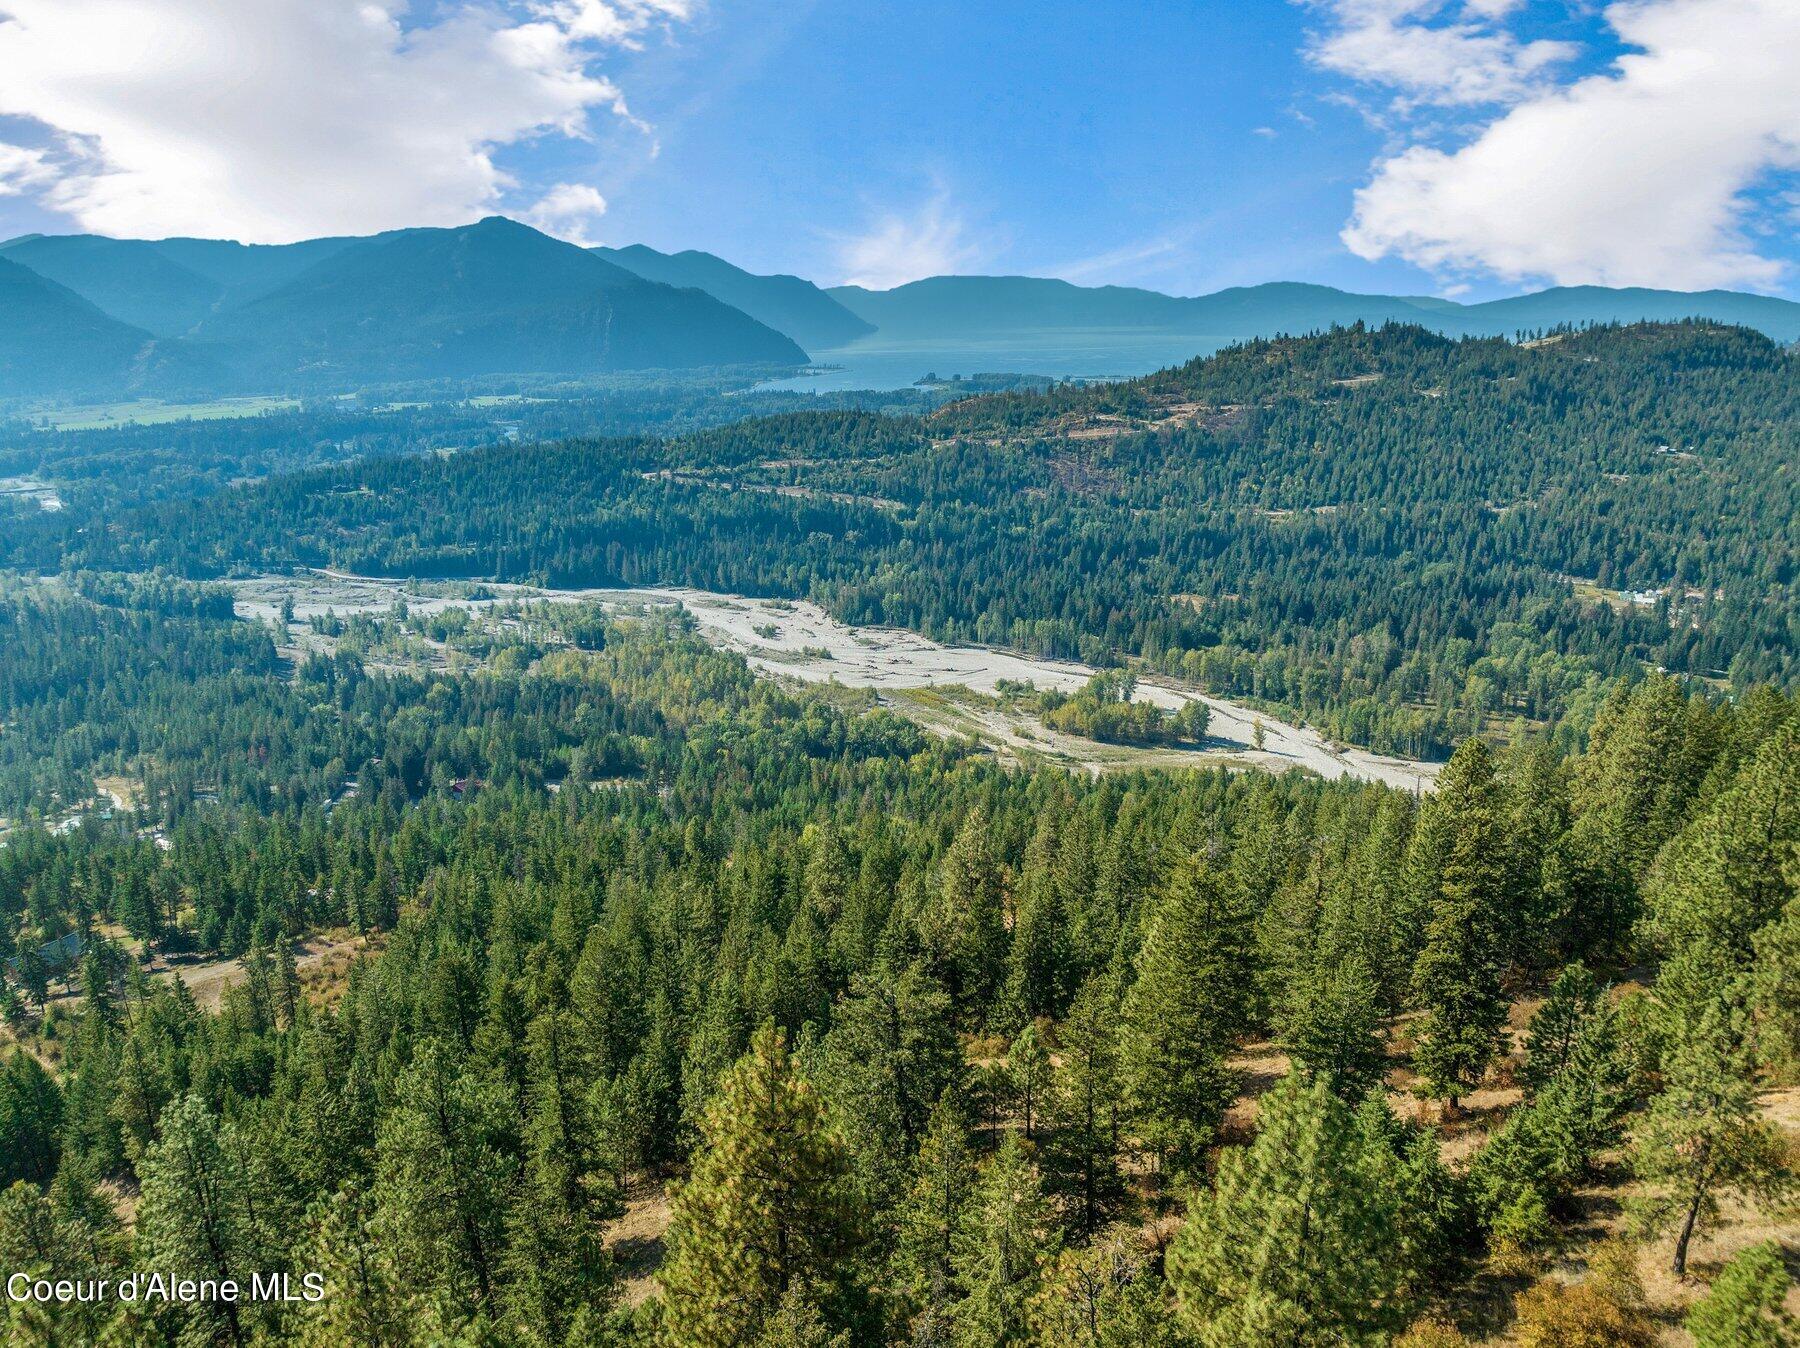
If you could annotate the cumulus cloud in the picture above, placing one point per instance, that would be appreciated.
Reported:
(1646, 174)
(568, 211)
(1431, 53)
(288, 118)
(900, 246)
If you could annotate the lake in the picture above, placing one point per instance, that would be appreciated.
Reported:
(878, 362)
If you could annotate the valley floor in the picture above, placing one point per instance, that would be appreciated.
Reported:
(951, 690)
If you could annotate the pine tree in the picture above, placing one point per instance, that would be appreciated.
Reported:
(555, 1261)
(41, 1238)
(641, 1109)
(1387, 930)
(1028, 1066)
(1296, 1244)
(1557, 1026)
(1001, 1247)
(943, 1179)
(1776, 982)
(1457, 979)
(607, 994)
(963, 928)
(1721, 879)
(1745, 1307)
(30, 1237)
(769, 1209)
(1702, 1136)
(1183, 1014)
(1040, 962)
(1537, 803)
(1081, 1153)
(1331, 1025)
(1644, 761)
(31, 1115)
(366, 1303)
(798, 1323)
(287, 983)
(890, 1056)
(1102, 1295)
(195, 1217)
(442, 1180)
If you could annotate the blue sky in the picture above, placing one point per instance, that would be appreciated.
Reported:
(1467, 147)
(1166, 150)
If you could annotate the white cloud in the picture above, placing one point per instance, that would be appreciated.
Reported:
(281, 119)
(566, 211)
(1638, 176)
(932, 240)
(22, 170)
(1412, 47)
(620, 21)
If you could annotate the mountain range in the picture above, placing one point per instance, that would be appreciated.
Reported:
(994, 306)
(490, 298)
(83, 315)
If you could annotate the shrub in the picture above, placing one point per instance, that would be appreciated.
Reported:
(1554, 1314)
(1432, 1333)
(1520, 1231)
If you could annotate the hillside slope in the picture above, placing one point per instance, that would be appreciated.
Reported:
(788, 304)
(54, 341)
(1393, 537)
(494, 297)
(131, 280)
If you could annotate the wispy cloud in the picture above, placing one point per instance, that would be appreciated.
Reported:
(1139, 258)
(287, 118)
(930, 239)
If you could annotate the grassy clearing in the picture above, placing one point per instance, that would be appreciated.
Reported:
(150, 412)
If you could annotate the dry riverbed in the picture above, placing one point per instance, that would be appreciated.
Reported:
(949, 689)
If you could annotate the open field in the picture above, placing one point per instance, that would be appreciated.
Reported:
(150, 412)
(798, 639)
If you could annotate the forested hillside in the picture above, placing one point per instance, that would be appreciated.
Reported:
(780, 1022)
(539, 974)
(99, 471)
(1399, 537)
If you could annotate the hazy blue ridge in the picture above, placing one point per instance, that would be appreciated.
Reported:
(788, 304)
(52, 341)
(953, 307)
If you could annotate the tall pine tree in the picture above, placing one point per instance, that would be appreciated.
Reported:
(1458, 977)
(769, 1211)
